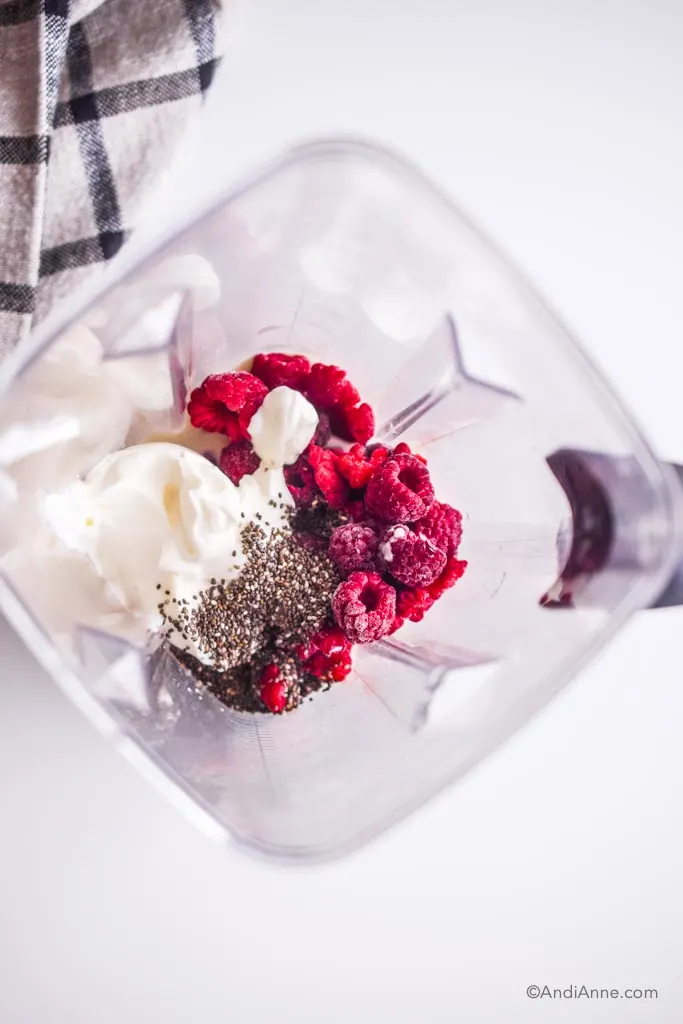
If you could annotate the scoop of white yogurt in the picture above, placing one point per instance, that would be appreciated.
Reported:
(158, 520)
(282, 427)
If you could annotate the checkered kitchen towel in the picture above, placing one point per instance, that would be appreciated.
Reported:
(94, 97)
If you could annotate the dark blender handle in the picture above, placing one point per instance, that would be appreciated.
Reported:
(673, 592)
(607, 500)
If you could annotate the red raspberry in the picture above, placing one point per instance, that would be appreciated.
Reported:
(442, 525)
(272, 689)
(412, 560)
(311, 541)
(330, 669)
(412, 604)
(448, 578)
(403, 449)
(400, 491)
(334, 487)
(327, 655)
(365, 607)
(270, 673)
(341, 668)
(300, 480)
(225, 402)
(327, 387)
(353, 548)
(355, 509)
(357, 466)
(323, 432)
(239, 459)
(277, 369)
(330, 640)
(353, 423)
(396, 624)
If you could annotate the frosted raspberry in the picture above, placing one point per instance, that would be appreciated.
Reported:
(396, 625)
(300, 480)
(225, 402)
(412, 604)
(353, 547)
(400, 491)
(239, 459)
(272, 689)
(357, 466)
(442, 525)
(365, 607)
(333, 486)
(448, 578)
(411, 559)
(353, 423)
(327, 387)
(403, 449)
(277, 369)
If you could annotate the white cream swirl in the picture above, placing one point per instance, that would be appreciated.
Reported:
(159, 521)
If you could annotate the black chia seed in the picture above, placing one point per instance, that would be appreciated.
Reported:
(281, 597)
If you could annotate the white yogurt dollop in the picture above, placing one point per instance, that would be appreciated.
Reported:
(158, 517)
(282, 427)
(151, 514)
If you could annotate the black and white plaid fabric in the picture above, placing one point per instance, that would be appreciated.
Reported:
(94, 98)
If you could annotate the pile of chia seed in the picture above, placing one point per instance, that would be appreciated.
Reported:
(281, 597)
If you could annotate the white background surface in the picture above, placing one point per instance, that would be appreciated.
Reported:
(558, 127)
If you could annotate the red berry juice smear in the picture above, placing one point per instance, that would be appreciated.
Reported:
(366, 546)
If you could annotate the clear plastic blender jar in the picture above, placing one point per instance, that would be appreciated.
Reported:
(343, 252)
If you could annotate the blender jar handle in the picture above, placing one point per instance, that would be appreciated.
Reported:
(673, 592)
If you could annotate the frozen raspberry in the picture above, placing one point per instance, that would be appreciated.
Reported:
(269, 674)
(355, 509)
(327, 655)
(400, 491)
(323, 432)
(329, 640)
(403, 449)
(272, 689)
(396, 624)
(329, 668)
(300, 480)
(365, 607)
(333, 486)
(239, 459)
(353, 423)
(225, 402)
(311, 541)
(357, 465)
(341, 668)
(412, 604)
(353, 548)
(442, 525)
(277, 369)
(412, 560)
(328, 387)
(448, 578)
